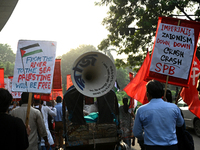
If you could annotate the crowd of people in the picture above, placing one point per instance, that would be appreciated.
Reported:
(36, 135)
(155, 124)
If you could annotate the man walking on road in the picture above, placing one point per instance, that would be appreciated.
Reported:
(156, 121)
(59, 124)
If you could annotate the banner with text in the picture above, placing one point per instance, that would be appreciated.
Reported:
(8, 86)
(34, 66)
(174, 49)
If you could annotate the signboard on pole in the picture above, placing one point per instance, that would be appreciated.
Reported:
(34, 66)
(174, 50)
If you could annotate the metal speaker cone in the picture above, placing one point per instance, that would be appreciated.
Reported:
(93, 74)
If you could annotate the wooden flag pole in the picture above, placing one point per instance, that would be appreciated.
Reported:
(166, 87)
(28, 108)
(179, 21)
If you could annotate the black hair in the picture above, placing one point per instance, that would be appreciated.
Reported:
(125, 106)
(155, 89)
(169, 96)
(58, 99)
(25, 96)
(5, 99)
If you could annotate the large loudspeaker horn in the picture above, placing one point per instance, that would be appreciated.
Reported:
(93, 74)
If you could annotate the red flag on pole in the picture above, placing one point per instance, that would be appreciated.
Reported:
(1, 77)
(190, 94)
(137, 87)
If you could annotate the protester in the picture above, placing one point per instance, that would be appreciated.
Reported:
(37, 105)
(35, 121)
(59, 124)
(45, 112)
(13, 131)
(126, 122)
(13, 105)
(156, 121)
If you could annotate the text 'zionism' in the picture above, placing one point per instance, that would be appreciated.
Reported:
(173, 49)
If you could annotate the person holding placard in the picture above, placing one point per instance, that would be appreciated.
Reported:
(45, 110)
(156, 121)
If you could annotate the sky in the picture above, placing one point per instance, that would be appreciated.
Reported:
(68, 22)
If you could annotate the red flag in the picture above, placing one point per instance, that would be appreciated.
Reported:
(190, 94)
(69, 81)
(1, 77)
(137, 87)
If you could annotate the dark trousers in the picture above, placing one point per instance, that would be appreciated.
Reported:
(172, 147)
(59, 134)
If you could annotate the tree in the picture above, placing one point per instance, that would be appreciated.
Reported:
(7, 58)
(122, 77)
(144, 15)
(67, 60)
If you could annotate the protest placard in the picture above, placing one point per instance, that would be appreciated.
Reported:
(56, 87)
(174, 50)
(8, 86)
(34, 66)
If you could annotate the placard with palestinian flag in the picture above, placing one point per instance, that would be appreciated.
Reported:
(34, 66)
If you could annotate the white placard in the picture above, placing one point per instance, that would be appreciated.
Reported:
(8, 86)
(34, 66)
(173, 51)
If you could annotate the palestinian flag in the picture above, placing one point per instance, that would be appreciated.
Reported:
(30, 50)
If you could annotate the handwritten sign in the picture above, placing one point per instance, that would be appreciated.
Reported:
(34, 66)
(173, 51)
(8, 86)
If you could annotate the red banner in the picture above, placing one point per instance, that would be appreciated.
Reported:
(137, 86)
(69, 81)
(1, 77)
(175, 45)
(57, 78)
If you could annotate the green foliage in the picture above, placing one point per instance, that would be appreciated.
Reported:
(7, 58)
(120, 95)
(122, 77)
(143, 15)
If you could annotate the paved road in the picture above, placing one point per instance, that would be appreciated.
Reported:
(195, 138)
